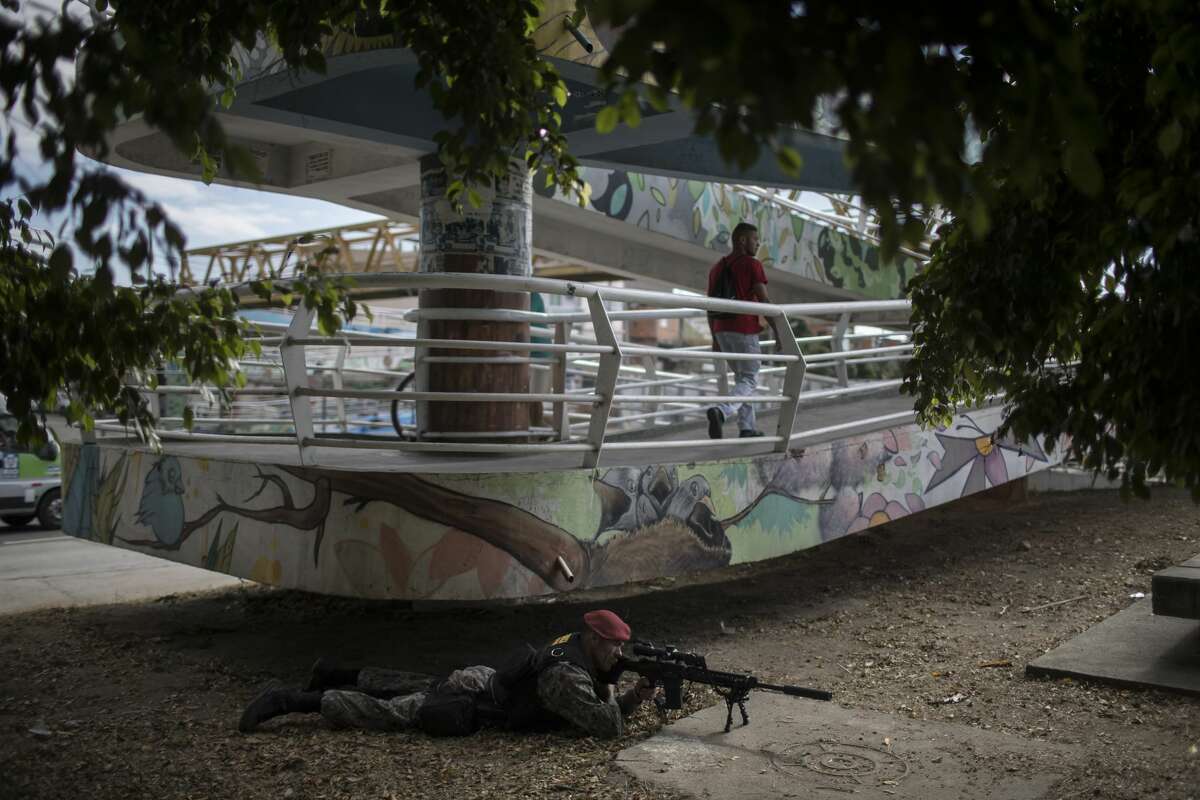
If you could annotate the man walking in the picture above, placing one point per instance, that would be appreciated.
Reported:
(738, 276)
(568, 682)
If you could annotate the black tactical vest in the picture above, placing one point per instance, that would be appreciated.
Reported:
(515, 683)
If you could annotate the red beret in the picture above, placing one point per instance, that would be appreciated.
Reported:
(607, 624)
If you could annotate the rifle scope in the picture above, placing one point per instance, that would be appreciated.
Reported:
(668, 653)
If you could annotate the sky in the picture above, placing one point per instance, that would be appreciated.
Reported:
(218, 214)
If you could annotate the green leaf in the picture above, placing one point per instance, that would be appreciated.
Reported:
(978, 220)
(607, 119)
(1082, 168)
(1169, 138)
(60, 263)
(790, 160)
(559, 93)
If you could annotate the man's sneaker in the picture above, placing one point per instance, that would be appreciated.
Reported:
(749, 434)
(715, 420)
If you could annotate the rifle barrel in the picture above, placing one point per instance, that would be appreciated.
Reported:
(797, 691)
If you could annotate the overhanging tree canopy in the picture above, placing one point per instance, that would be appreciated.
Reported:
(1071, 232)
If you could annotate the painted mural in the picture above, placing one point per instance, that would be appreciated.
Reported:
(487, 536)
(704, 214)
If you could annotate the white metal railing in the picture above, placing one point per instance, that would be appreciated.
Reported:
(603, 384)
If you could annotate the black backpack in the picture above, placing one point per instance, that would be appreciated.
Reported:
(724, 287)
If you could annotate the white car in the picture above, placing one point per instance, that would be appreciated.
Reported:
(30, 482)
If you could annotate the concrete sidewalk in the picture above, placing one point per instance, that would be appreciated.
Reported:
(808, 749)
(47, 569)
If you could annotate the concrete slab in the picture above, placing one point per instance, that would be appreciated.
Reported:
(804, 748)
(46, 569)
(1131, 648)
(1176, 590)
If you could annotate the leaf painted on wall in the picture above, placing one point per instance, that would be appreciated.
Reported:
(214, 548)
(396, 557)
(776, 515)
(225, 557)
(105, 516)
(616, 206)
(696, 188)
(455, 553)
(492, 567)
(219, 557)
(658, 196)
(797, 227)
(644, 220)
(639, 180)
(695, 222)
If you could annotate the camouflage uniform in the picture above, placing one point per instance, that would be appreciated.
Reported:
(371, 707)
(569, 691)
(564, 689)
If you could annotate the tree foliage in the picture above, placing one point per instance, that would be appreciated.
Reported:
(1092, 267)
(1074, 213)
(73, 80)
(903, 83)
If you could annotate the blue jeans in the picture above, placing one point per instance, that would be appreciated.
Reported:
(745, 375)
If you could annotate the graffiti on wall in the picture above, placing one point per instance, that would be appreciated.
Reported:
(705, 214)
(404, 535)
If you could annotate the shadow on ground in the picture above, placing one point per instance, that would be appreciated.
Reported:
(141, 699)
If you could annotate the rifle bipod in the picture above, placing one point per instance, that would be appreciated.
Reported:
(738, 697)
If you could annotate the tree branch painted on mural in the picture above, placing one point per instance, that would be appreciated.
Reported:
(162, 509)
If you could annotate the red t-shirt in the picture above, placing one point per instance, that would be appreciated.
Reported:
(747, 271)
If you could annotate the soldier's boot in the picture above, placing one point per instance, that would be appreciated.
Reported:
(326, 674)
(274, 702)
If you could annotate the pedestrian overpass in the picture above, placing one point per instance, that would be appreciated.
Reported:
(620, 485)
(326, 473)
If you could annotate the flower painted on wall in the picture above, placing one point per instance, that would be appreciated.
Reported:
(876, 509)
(981, 453)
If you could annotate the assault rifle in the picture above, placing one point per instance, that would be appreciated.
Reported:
(671, 667)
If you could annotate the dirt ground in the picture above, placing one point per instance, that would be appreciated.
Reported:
(141, 700)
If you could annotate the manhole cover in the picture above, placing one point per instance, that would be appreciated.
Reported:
(856, 763)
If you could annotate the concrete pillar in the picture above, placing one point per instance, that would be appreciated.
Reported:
(493, 239)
